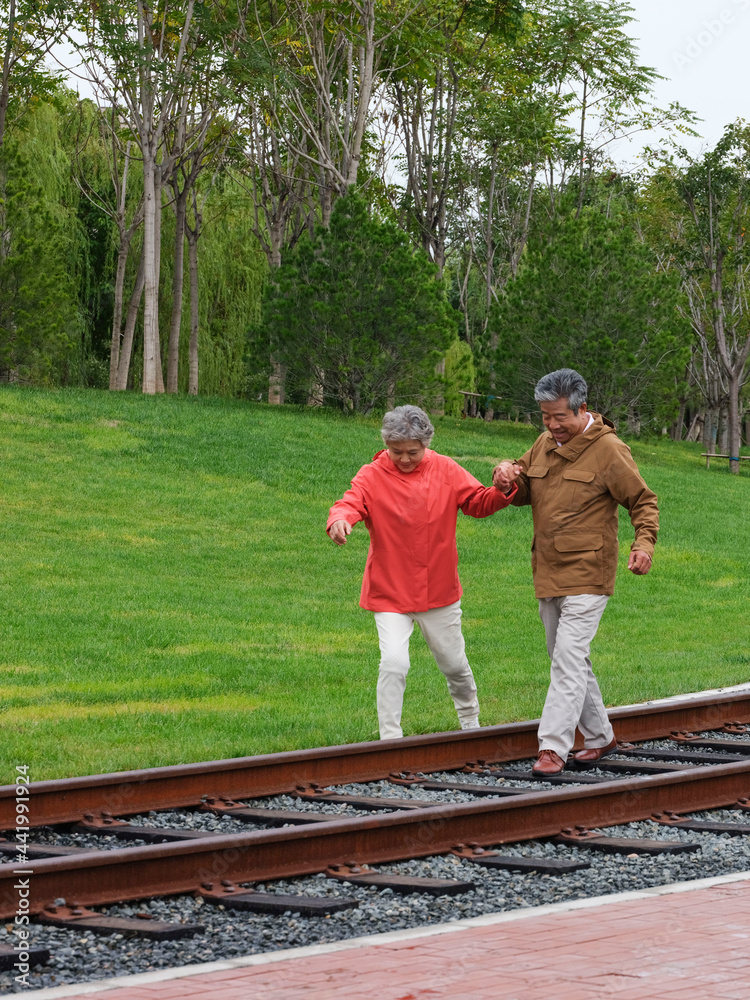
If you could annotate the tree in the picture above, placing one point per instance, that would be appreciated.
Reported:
(356, 314)
(493, 118)
(328, 59)
(307, 125)
(506, 136)
(460, 376)
(583, 53)
(227, 292)
(165, 71)
(192, 159)
(705, 242)
(138, 66)
(28, 30)
(589, 297)
(97, 140)
(40, 317)
(453, 57)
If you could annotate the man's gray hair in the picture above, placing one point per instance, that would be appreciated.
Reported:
(565, 383)
(407, 423)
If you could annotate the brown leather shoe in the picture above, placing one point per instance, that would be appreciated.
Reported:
(593, 754)
(548, 762)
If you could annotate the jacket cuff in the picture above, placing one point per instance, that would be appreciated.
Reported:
(511, 493)
(646, 547)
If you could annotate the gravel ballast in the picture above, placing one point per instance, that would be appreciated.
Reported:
(80, 957)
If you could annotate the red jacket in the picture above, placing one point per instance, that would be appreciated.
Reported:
(412, 564)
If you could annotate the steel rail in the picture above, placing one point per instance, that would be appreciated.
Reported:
(167, 869)
(126, 793)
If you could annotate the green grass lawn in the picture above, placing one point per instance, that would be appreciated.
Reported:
(168, 593)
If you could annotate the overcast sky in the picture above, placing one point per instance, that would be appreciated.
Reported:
(701, 46)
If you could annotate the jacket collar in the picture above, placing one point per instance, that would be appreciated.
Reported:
(577, 445)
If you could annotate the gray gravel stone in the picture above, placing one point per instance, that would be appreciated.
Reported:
(80, 957)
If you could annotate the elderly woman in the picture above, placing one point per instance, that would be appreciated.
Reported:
(409, 498)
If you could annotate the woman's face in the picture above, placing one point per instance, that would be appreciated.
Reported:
(405, 455)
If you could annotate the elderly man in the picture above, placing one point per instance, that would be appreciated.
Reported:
(574, 476)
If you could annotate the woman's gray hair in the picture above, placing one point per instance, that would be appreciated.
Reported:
(407, 423)
(565, 383)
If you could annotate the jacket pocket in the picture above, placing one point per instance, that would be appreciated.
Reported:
(579, 475)
(537, 471)
(578, 561)
(579, 541)
(578, 488)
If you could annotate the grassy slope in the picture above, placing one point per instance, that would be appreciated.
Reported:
(168, 594)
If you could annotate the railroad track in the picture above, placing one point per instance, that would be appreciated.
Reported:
(499, 803)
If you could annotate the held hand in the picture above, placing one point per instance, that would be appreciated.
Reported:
(338, 532)
(505, 474)
(639, 562)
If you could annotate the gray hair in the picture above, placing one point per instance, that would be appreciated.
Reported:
(565, 383)
(407, 423)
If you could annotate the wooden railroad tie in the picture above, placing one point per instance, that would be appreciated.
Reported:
(515, 863)
(142, 925)
(701, 825)
(580, 836)
(235, 897)
(9, 957)
(398, 883)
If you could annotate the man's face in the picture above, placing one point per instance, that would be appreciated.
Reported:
(560, 420)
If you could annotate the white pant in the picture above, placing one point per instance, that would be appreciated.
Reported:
(573, 698)
(441, 628)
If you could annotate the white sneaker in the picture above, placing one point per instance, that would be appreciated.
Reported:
(471, 723)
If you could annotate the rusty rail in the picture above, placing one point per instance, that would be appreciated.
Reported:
(164, 869)
(129, 792)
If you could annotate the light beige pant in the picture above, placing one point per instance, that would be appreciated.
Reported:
(441, 628)
(573, 698)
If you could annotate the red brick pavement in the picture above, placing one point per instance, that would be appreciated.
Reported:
(680, 945)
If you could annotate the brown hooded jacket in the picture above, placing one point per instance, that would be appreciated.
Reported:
(574, 490)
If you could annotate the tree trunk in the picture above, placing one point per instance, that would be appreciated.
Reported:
(278, 371)
(710, 428)
(126, 350)
(733, 424)
(114, 350)
(326, 204)
(151, 277)
(5, 87)
(438, 408)
(276, 235)
(633, 422)
(390, 399)
(315, 395)
(276, 383)
(678, 424)
(582, 136)
(366, 84)
(157, 245)
(192, 238)
(723, 428)
(173, 355)
(695, 430)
